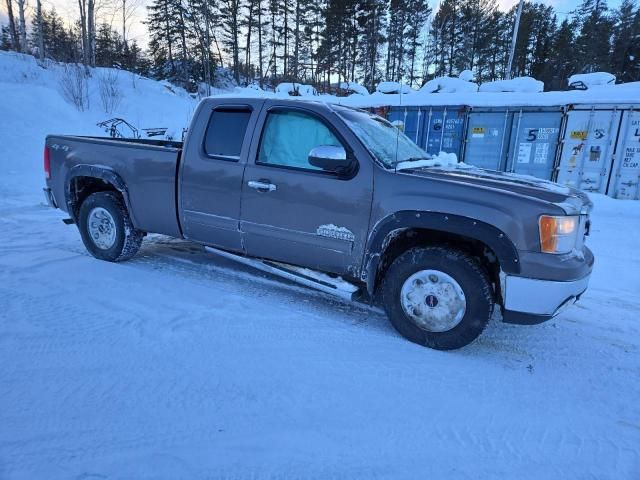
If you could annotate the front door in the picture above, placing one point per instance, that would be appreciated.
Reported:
(293, 211)
(211, 174)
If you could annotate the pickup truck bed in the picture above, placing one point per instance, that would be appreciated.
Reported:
(147, 169)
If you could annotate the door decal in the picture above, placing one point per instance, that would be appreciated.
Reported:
(333, 231)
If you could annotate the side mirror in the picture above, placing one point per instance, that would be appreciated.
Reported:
(330, 158)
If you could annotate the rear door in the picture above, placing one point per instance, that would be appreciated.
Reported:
(212, 171)
(291, 210)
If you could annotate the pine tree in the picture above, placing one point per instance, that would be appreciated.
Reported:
(593, 40)
(230, 23)
(372, 21)
(418, 14)
(561, 61)
(163, 35)
(625, 55)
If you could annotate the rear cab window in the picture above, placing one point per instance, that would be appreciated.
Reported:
(225, 132)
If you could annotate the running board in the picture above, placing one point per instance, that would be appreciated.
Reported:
(303, 276)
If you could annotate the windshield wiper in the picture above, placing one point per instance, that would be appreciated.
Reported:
(412, 159)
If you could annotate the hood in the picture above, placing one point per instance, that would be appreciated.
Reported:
(571, 200)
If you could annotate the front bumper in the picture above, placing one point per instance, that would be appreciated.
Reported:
(528, 301)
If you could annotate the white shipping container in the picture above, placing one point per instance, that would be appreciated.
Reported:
(625, 181)
(588, 145)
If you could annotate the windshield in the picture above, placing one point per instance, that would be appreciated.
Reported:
(386, 142)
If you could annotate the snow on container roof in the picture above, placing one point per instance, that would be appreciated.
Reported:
(583, 81)
(466, 75)
(448, 85)
(296, 89)
(518, 84)
(611, 94)
(354, 87)
(390, 88)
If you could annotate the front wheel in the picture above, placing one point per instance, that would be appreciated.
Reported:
(437, 297)
(106, 228)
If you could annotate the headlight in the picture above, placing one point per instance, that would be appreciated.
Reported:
(558, 234)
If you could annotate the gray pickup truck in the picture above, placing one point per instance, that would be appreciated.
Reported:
(340, 200)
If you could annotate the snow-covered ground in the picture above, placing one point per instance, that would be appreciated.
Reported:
(180, 365)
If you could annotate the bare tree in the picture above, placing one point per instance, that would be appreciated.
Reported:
(87, 10)
(74, 86)
(110, 93)
(91, 31)
(12, 26)
(82, 6)
(127, 11)
(40, 30)
(22, 24)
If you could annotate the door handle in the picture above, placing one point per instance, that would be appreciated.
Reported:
(262, 186)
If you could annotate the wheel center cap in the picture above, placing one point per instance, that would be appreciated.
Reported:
(431, 301)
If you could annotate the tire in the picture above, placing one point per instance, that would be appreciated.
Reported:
(431, 275)
(121, 240)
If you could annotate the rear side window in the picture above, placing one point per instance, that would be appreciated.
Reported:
(225, 133)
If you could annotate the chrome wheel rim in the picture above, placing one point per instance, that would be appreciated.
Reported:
(102, 228)
(433, 300)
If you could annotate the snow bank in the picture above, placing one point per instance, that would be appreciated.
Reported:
(587, 80)
(33, 107)
(518, 84)
(448, 85)
(354, 87)
(137, 370)
(296, 90)
(393, 88)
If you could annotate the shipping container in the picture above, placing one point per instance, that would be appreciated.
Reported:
(535, 136)
(436, 129)
(517, 139)
(408, 119)
(443, 129)
(486, 140)
(625, 178)
(588, 144)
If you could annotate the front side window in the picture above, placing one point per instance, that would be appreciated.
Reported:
(225, 133)
(288, 137)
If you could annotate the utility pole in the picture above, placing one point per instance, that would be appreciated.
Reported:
(514, 39)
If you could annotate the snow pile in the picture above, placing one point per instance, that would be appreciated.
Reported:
(393, 87)
(466, 75)
(296, 90)
(448, 85)
(518, 84)
(585, 81)
(354, 87)
(248, 91)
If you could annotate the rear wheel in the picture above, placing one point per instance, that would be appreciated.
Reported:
(106, 228)
(437, 297)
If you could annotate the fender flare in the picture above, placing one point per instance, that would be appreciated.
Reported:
(105, 174)
(491, 236)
